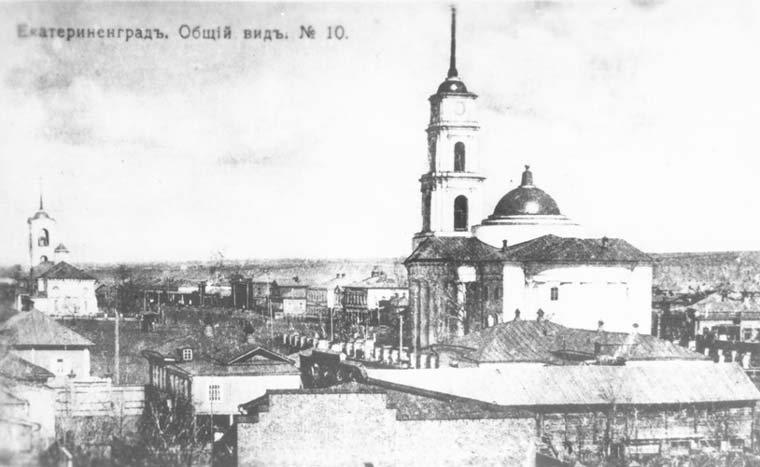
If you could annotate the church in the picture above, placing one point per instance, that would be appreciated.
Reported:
(524, 260)
(56, 287)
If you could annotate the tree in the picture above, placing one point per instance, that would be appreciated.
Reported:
(168, 434)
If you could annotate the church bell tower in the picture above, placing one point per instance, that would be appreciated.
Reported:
(451, 188)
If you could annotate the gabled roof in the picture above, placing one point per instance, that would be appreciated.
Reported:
(35, 329)
(548, 342)
(455, 249)
(15, 367)
(551, 248)
(583, 385)
(64, 270)
(224, 354)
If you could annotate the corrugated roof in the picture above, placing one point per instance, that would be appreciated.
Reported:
(64, 270)
(455, 249)
(551, 248)
(548, 342)
(35, 329)
(581, 385)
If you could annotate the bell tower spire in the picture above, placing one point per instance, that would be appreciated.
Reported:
(453, 57)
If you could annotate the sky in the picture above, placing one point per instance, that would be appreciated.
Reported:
(639, 117)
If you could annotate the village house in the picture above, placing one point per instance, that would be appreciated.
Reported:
(289, 297)
(27, 410)
(40, 340)
(362, 299)
(728, 317)
(326, 297)
(217, 371)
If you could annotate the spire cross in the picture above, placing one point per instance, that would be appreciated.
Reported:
(453, 59)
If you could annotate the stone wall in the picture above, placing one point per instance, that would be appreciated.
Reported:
(353, 429)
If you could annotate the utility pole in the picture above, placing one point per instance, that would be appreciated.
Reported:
(400, 332)
(116, 347)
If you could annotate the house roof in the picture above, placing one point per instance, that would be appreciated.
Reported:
(377, 281)
(455, 249)
(548, 342)
(583, 385)
(64, 270)
(551, 248)
(226, 353)
(35, 329)
(727, 307)
(15, 367)
(408, 404)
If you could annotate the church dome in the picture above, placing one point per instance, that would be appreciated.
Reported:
(452, 85)
(526, 199)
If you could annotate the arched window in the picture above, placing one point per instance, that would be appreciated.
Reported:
(459, 157)
(43, 259)
(460, 213)
(44, 238)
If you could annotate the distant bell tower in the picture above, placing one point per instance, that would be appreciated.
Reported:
(42, 233)
(451, 189)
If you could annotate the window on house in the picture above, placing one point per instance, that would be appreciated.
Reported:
(497, 293)
(43, 259)
(555, 294)
(214, 392)
(460, 213)
(459, 157)
(187, 354)
(59, 366)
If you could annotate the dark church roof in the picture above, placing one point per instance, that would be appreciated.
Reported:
(64, 270)
(552, 249)
(455, 249)
(527, 199)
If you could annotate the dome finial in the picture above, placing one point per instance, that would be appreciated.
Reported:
(527, 177)
(453, 58)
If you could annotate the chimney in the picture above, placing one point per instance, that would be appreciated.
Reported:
(605, 243)
(539, 315)
(600, 326)
(504, 246)
(517, 315)
(635, 328)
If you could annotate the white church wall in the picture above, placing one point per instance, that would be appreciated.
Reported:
(513, 297)
(68, 297)
(583, 295)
